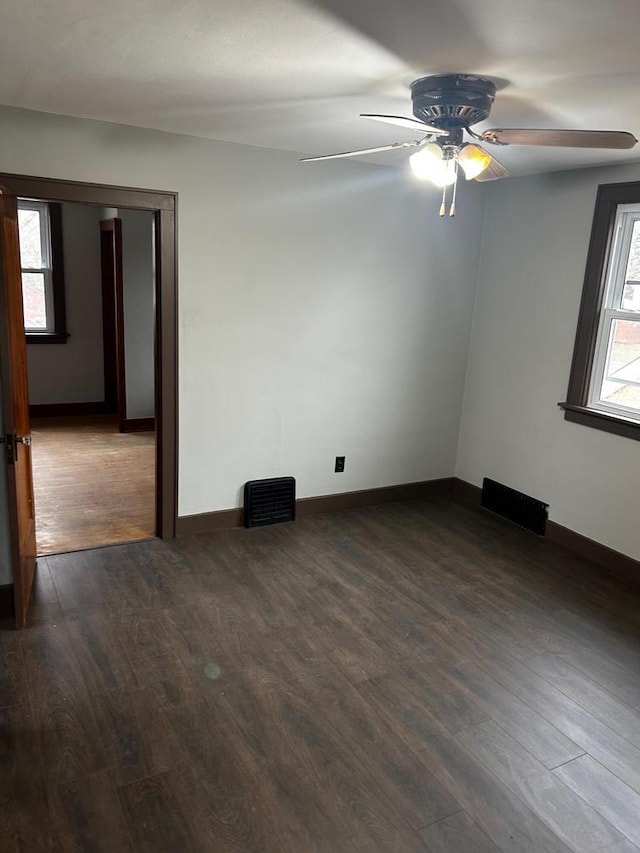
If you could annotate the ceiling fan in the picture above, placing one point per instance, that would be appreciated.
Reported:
(445, 107)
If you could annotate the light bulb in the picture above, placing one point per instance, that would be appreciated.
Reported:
(431, 163)
(474, 160)
(426, 162)
(446, 173)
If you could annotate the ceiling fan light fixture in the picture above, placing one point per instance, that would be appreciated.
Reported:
(445, 108)
(474, 160)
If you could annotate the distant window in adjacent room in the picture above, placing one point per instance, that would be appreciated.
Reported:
(604, 389)
(39, 225)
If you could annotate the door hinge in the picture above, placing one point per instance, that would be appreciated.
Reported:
(9, 441)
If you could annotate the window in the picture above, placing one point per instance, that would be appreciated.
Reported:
(39, 226)
(615, 384)
(604, 389)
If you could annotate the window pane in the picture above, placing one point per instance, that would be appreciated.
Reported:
(621, 384)
(633, 265)
(34, 300)
(30, 242)
(631, 296)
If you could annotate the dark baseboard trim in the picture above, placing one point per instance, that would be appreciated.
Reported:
(7, 605)
(612, 561)
(209, 522)
(57, 410)
(370, 497)
(137, 425)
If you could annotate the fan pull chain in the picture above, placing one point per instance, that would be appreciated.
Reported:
(443, 206)
(452, 209)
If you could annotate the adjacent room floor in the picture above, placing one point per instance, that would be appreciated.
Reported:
(412, 677)
(93, 485)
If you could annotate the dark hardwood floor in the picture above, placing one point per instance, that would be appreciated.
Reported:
(411, 677)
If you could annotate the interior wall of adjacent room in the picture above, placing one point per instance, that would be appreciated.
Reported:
(138, 289)
(74, 372)
(323, 309)
(529, 288)
(5, 554)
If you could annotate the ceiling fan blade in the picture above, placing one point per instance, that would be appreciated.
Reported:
(360, 151)
(563, 138)
(411, 123)
(494, 170)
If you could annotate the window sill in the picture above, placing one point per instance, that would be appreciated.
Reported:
(616, 424)
(46, 337)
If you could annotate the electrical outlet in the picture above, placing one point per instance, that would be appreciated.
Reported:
(339, 464)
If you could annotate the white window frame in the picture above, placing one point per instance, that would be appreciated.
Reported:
(611, 309)
(47, 269)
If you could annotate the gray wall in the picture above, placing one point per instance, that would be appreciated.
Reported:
(138, 286)
(5, 555)
(529, 287)
(323, 309)
(74, 372)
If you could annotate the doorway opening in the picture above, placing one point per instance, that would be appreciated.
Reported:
(88, 285)
(134, 414)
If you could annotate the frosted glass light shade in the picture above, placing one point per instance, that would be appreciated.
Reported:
(429, 164)
(474, 160)
(425, 162)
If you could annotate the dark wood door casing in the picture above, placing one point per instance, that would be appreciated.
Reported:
(115, 394)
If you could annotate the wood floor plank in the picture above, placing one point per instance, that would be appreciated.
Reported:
(88, 815)
(446, 700)
(457, 834)
(607, 794)
(571, 819)
(308, 745)
(14, 688)
(156, 816)
(45, 607)
(100, 654)
(228, 795)
(544, 740)
(618, 716)
(613, 751)
(404, 712)
(400, 774)
(101, 581)
(622, 682)
(260, 738)
(458, 642)
(614, 637)
(508, 822)
(135, 733)
(65, 728)
(26, 815)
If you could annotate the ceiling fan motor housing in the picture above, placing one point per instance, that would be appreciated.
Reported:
(449, 101)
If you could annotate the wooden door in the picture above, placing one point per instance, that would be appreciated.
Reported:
(15, 401)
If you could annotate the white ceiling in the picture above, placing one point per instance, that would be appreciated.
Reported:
(291, 75)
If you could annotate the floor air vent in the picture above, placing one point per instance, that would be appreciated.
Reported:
(269, 501)
(521, 509)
